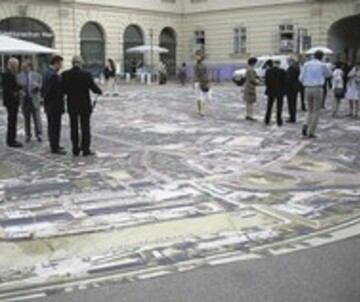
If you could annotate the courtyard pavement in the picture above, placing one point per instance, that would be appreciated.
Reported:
(169, 191)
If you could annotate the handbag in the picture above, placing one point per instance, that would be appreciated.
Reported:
(204, 87)
(339, 92)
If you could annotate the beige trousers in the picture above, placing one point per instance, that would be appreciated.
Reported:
(314, 96)
(250, 110)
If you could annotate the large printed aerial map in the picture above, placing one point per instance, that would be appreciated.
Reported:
(169, 191)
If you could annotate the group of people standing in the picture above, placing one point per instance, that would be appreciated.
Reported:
(312, 80)
(28, 88)
(21, 89)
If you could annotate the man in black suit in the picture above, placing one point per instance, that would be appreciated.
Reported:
(302, 88)
(292, 88)
(54, 103)
(275, 90)
(11, 95)
(77, 83)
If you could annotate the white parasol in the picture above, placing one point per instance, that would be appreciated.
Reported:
(325, 50)
(14, 46)
(146, 48)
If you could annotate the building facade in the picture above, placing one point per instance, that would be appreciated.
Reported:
(229, 31)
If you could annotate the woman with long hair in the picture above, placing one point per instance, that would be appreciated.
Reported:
(109, 75)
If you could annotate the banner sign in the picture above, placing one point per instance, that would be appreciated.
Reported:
(27, 35)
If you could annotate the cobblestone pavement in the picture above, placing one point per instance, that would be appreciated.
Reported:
(169, 191)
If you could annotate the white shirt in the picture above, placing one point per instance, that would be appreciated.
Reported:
(314, 74)
(338, 78)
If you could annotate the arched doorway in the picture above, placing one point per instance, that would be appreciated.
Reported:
(93, 47)
(168, 41)
(28, 29)
(133, 36)
(344, 38)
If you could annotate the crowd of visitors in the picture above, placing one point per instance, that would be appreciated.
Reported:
(312, 79)
(26, 89)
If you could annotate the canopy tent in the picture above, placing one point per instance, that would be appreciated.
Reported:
(146, 48)
(12, 46)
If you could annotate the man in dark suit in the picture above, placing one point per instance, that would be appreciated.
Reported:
(275, 90)
(54, 103)
(77, 84)
(292, 88)
(11, 95)
(302, 61)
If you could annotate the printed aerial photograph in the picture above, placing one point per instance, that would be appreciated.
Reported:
(179, 150)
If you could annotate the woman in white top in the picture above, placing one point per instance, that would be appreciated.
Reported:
(338, 86)
(353, 90)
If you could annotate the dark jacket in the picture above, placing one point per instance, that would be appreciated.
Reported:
(52, 92)
(201, 76)
(275, 82)
(109, 73)
(11, 89)
(77, 84)
(292, 78)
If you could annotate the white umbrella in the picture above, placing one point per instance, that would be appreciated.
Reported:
(14, 46)
(146, 48)
(325, 50)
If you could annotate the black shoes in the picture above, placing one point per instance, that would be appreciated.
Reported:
(38, 138)
(304, 130)
(76, 152)
(249, 118)
(59, 152)
(15, 145)
(88, 153)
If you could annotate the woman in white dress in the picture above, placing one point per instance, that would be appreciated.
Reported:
(338, 85)
(353, 90)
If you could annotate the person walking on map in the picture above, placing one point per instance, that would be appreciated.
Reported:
(201, 83)
(313, 76)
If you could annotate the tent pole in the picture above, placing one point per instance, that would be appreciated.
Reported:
(34, 61)
(2, 63)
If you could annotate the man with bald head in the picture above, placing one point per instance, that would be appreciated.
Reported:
(11, 95)
(77, 84)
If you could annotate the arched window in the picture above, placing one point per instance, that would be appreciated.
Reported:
(168, 41)
(133, 36)
(93, 47)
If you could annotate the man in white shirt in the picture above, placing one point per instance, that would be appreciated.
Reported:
(30, 82)
(313, 76)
